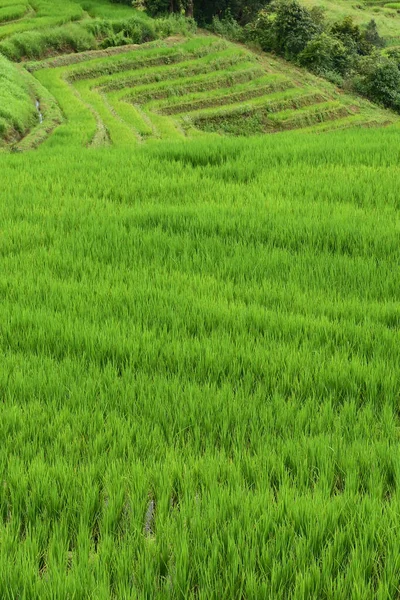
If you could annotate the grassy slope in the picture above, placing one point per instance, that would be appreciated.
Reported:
(17, 102)
(199, 369)
(198, 347)
(177, 87)
(49, 13)
(387, 20)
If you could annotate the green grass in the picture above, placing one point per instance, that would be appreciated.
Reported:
(187, 88)
(10, 13)
(49, 27)
(199, 334)
(199, 359)
(17, 102)
(362, 12)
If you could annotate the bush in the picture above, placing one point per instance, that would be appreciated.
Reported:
(294, 28)
(348, 33)
(228, 27)
(378, 79)
(263, 31)
(325, 53)
(371, 36)
(286, 31)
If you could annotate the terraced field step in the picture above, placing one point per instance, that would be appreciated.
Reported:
(178, 88)
(349, 121)
(200, 86)
(215, 62)
(235, 94)
(315, 113)
(293, 98)
(141, 60)
(65, 60)
(315, 110)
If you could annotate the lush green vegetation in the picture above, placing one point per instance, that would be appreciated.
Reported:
(346, 50)
(50, 27)
(385, 15)
(177, 89)
(199, 369)
(341, 52)
(17, 107)
(199, 333)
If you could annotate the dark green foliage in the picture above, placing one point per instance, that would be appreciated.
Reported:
(324, 54)
(394, 54)
(262, 31)
(348, 33)
(204, 11)
(371, 38)
(155, 7)
(285, 29)
(241, 10)
(294, 28)
(379, 79)
(302, 36)
(228, 27)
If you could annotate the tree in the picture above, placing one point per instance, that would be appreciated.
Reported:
(294, 28)
(379, 79)
(371, 38)
(324, 54)
(189, 9)
(204, 11)
(262, 30)
(348, 33)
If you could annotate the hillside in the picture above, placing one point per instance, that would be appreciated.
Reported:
(177, 88)
(385, 14)
(199, 319)
(17, 102)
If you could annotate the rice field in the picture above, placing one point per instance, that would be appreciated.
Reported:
(386, 18)
(199, 329)
(31, 15)
(200, 369)
(180, 88)
(17, 107)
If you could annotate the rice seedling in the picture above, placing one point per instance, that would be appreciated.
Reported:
(17, 102)
(199, 334)
(199, 349)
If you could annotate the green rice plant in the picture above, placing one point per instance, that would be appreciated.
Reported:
(235, 93)
(176, 88)
(52, 26)
(201, 85)
(12, 13)
(199, 359)
(17, 102)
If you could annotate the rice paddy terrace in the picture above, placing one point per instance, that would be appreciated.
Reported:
(180, 88)
(32, 15)
(199, 330)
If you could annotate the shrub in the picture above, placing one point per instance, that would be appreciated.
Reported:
(228, 27)
(325, 53)
(370, 37)
(263, 31)
(294, 28)
(378, 78)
